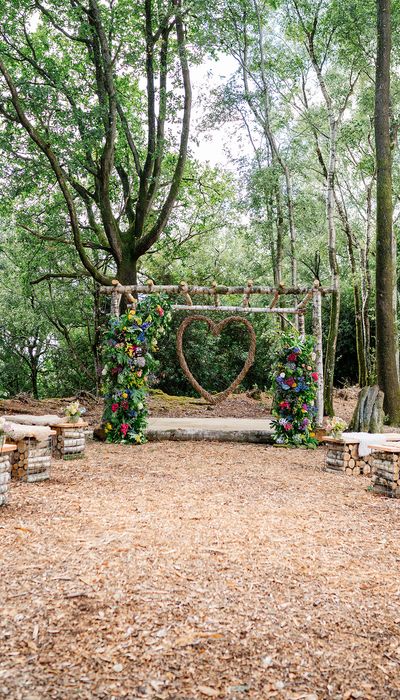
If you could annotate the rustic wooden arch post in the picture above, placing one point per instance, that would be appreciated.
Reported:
(319, 361)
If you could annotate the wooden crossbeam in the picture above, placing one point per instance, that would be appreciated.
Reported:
(195, 289)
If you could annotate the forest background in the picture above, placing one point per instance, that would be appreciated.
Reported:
(101, 176)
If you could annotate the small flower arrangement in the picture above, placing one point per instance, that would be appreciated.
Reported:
(129, 345)
(336, 426)
(74, 411)
(295, 391)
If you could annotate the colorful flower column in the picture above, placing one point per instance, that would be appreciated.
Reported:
(295, 390)
(129, 344)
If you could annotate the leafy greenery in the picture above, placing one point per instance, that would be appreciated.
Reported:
(261, 215)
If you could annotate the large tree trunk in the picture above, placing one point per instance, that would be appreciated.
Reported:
(366, 284)
(127, 269)
(358, 311)
(386, 330)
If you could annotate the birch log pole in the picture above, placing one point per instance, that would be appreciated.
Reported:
(317, 331)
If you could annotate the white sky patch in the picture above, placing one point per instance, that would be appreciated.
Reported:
(221, 145)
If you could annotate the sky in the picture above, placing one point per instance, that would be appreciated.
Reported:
(220, 145)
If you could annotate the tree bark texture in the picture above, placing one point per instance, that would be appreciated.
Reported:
(386, 330)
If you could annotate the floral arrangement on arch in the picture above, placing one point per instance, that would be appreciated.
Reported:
(295, 391)
(129, 344)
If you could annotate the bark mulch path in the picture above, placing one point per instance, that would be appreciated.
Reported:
(192, 571)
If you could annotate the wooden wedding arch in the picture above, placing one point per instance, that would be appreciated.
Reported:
(297, 309)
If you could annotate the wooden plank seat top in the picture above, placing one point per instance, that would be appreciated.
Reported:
(344, 440)
(7, 447)
(392, 447)
(70, 425)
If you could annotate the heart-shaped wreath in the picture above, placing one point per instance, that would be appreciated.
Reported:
(215, 329)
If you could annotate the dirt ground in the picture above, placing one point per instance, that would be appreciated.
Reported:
(191, 571)
(237, 406)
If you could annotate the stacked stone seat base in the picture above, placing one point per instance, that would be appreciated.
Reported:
(386, 477)
(69, 441)
(31, 461)
(5, 473)
(343, 457)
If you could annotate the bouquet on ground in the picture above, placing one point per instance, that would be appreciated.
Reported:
(74, 411)
(336, 426)
(295, 391)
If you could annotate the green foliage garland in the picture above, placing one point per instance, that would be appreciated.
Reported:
(295, 390)
(129, 344)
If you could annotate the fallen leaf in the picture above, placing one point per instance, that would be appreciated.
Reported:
(206, 690)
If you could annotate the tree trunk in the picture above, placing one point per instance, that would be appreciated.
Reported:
(368, 415)
(386, 331)
(127, 269)
(279, 234)
(330, 354)
(358, 315)
(34, 381)
(366, 284)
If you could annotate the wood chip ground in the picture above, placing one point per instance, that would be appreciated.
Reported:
(186, 571)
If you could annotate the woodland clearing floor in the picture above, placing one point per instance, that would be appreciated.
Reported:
(195, 570)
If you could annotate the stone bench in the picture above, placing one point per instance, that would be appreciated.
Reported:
(343, 455)
(386, 469)
(6, 452)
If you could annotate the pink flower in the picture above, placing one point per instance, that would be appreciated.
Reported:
(125, 405)
(284, 404)
(315, 376)
(288, 426)
(160, 310)
(114, 407)
(292, 357)
(124, 429)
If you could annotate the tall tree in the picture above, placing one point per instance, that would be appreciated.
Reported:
(104, 102)
(386, 330)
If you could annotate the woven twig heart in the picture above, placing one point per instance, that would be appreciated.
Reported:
(215, 329)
